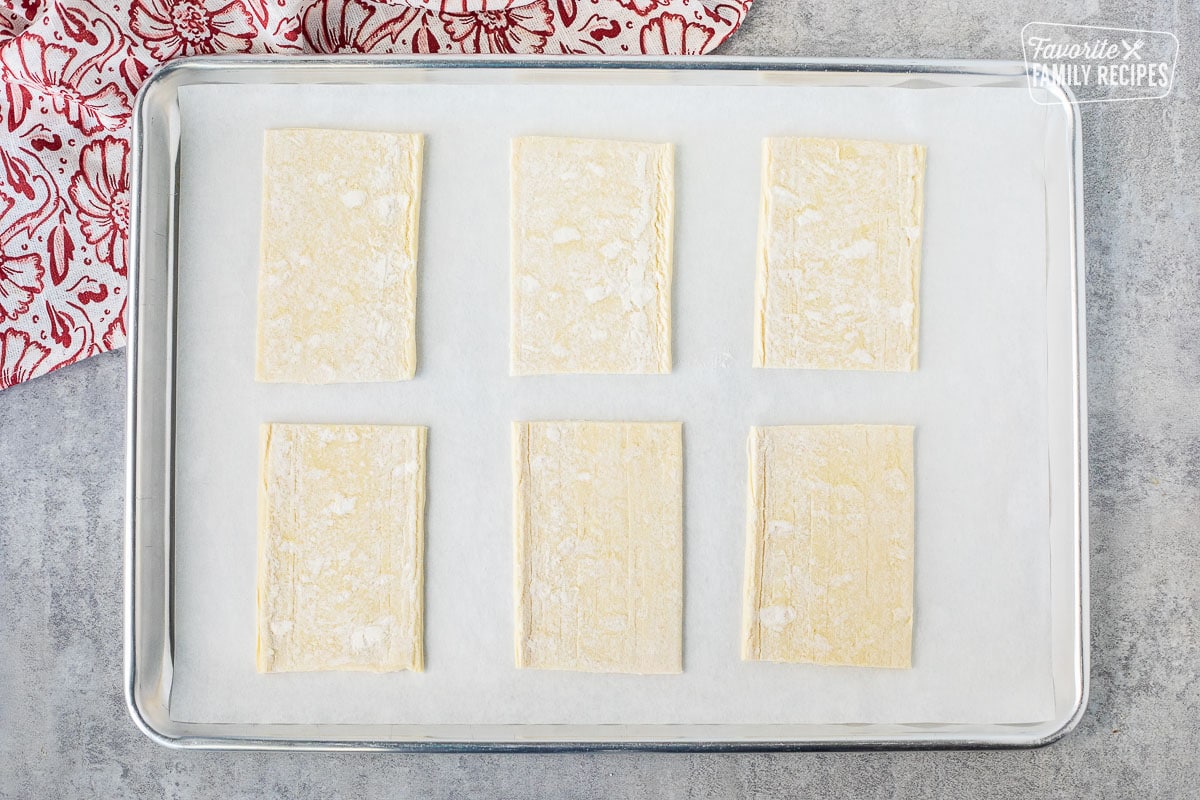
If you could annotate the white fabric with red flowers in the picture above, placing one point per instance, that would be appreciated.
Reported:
(70, 69)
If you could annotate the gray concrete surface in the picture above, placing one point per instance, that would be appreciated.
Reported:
(63, 727)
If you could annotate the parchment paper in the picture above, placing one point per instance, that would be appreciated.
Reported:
(982, 642)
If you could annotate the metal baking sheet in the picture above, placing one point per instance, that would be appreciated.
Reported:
(1000, 646)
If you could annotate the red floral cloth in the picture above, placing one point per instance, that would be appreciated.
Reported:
(70, 69)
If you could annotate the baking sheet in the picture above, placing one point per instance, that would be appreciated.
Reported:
(982, 644)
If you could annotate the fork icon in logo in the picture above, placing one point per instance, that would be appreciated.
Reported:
(1132, 49)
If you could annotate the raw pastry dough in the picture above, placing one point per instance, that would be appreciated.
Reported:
(599, 546)
(341, 540)
(337, 285)
(591, 256)
(839, 255)
(829, 564)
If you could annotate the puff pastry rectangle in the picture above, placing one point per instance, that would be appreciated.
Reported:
(839, 256)
(337, 280)
(829, 565)
(341, 543)
(591, 256)
(599, 546)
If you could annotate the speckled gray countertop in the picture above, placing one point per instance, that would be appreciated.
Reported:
(64, 731)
